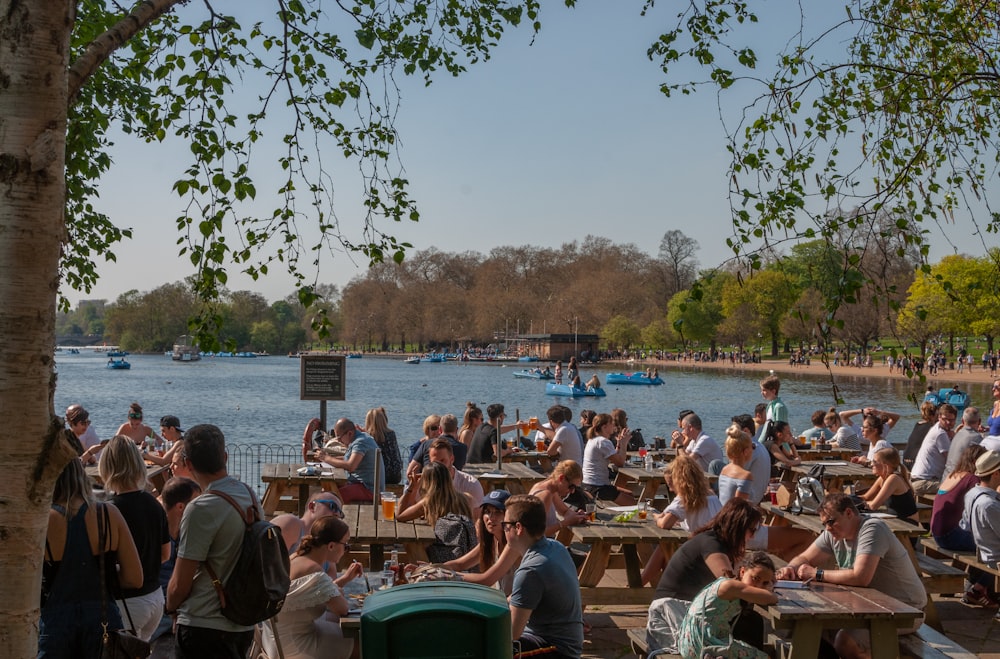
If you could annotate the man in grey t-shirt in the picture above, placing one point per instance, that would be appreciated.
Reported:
(867, 554)
(965, 437)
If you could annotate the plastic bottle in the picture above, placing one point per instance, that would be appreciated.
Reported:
(387, 574)
(394, 565)
(649, 461)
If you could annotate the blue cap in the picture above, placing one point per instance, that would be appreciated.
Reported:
(497, 499)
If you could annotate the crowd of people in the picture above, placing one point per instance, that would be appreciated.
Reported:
(154, 544)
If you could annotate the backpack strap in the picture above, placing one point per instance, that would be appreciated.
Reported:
(248, 517)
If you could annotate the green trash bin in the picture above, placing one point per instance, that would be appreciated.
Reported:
(436, 620)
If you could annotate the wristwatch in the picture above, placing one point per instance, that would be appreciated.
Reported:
(819, 574)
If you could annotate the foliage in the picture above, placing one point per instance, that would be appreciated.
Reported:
(761, 302)
(620, 333)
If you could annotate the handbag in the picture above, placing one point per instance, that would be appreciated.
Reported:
(116, 643)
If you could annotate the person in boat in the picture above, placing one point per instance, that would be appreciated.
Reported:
(547, 372)
(593, 383)
(558, 373)
(576, 383)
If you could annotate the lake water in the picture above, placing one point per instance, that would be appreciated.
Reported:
(257, 400)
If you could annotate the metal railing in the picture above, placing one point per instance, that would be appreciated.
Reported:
(246, 460)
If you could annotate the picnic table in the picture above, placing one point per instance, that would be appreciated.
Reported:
(539, 459)
(826, 453)
(809, 611)
(637, 539)
(836, 474)
(516, 478)
(280, 477)
(644, 483)
(376, 533)
(156, 475)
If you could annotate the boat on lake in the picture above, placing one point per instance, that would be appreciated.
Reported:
(528, 358)
(118, 364)
(412, 360)
(632, 378)
(185, 350)
(117, 353)
(553, 389)
(535, 373)
(435, 358)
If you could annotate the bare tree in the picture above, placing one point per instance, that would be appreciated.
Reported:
(677, 260)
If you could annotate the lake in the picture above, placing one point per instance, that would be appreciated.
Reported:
(256, 401)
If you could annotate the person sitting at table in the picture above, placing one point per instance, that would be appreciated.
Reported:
(313, 438)
(735, 480)
(844, 437)
(707, 628)
(698, 444)
(377, 425)
(780, 444)
(497, 561)
(564, 440)
(949, 504)
(928, 417)
(928, 467)
(892, 486)
(471, 420)
(867, 554)
(546, 612)
(177, 493)
(875, 427)
(449, 432)
(170, 430)
(819, 431)
(564, 481)
(982, 516)
(360, 460)
(713, 551)
(599, 453)
(293, 528)
(441, 450)
(677, 438)
(445, 508)
(302, 628)
(484, 441)
(432, 430)
(78, 420)
(136, 430)
(693, 506)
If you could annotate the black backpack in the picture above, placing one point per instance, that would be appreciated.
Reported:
(259, 582)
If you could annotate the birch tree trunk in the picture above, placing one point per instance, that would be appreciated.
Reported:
(34, 50)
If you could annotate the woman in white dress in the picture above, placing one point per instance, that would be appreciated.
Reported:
(303, 627)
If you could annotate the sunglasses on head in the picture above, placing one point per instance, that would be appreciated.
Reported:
(133, 415)
(331, 504)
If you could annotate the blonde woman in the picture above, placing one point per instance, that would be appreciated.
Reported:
(304, 631)
(432, 430)
(440, 502)
(124, 474)
(735, 480)
(892, 488)
(377, 425)
(565, 479)
(473, 419)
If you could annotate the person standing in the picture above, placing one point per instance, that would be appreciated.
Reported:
(211, 533)
(776, 410)
(546, 611)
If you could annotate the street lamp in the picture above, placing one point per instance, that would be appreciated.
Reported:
(576, 328)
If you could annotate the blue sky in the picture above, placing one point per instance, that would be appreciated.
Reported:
(541, 145)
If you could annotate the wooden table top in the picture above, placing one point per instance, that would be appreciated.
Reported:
(152, 472)
(280, 471)
(810, 521)
(604, 529)
(510, 470)
(838, 605)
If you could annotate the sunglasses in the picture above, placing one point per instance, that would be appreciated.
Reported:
(433, 427)
(331, 504)
(507, 526)
(133, 415)
(347, 545)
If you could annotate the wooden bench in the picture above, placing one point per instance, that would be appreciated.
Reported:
(940, 577)
(637, 638)
(927, 643)
(966, 558)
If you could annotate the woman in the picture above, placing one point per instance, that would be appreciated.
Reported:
(71, 616)
(124, 474)
(303, 630)
(432, 430)
(594, 383)
(565, 479)
(928, 417)
(310, 440)
(735, 480)
(586, 421)
(993, 421)
(445, 508)
(78, 420)
(892, 486)
(572, 370)
(949, 504)
(713, 551)
(138, 431)
(693, 506)
(472, 419)
(872, 430)
(844, 437)
(497, 561)
(601, 452)
(780, 444)
(707, 627)
(377, 425)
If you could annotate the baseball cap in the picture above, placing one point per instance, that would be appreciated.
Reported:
(497, 499)
(987, 463)
(170, 421)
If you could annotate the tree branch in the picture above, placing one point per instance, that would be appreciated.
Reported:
(100, 49)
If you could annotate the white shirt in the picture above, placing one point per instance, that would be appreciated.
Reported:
(933, 455)
(704, 450)
(468, 484)
(568, 439)
(595, 461)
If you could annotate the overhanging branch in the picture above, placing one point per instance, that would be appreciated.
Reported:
(101, 48)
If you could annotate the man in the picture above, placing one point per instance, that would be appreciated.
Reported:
(211, 532)
(776, 410)
(485, 439)
(546, 614)
(699, 445)
(982, 517)
(360, 460)
(293, 529)
(177, 493)
(441, 451)
(676, 436)
(78, 420)
(449, 432)
(867, 554)
(564, 438)
(928, 467)
(760, 461)
(170, 430)
(965, 437)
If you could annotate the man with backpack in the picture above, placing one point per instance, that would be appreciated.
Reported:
(211, 537)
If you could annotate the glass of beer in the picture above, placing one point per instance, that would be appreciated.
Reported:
(591, 512)
(643, 508)
(388, 506)
(539, 445)
(523, 426)
(533, 423)
(812, 442)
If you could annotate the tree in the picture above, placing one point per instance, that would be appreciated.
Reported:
(621, 333)
(902, 122)
(677, 258)
(71, 67)
(766, 296)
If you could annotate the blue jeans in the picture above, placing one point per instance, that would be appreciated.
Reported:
(957, 539)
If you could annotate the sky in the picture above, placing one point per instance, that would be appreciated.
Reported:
(544, 144)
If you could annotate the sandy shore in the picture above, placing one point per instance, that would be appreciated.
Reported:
(944, 378)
